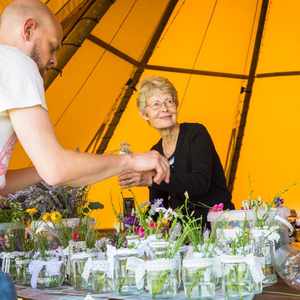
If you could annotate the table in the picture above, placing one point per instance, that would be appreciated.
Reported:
(279, 291)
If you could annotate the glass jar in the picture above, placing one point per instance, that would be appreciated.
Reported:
(199, 278)
(287, 264)
(47, 272)
(128, 272)
(78, 262)
(100, 280)
(9, 262)
(133, 241)
(162, 278)
(264, 250)
(77, 247)
(23, 275)
(158, 249)
(242, 276)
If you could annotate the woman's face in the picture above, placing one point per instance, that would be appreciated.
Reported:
(161, 110)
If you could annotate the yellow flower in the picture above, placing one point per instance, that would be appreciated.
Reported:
(144, 209)
(55, 217)
(46, 217)
(165, 221)
(31, 211)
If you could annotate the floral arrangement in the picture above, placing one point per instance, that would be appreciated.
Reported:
(46, 198)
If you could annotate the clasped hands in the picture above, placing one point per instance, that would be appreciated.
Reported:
(147, 168)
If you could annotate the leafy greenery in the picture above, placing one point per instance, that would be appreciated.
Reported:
(41, 243)
(11, 211)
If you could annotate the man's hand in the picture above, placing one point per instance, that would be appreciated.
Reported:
(131, 179)
(152, 161)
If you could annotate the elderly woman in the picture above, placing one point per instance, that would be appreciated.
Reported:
(195, 165)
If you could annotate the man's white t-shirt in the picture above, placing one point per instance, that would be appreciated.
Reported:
(21, 85)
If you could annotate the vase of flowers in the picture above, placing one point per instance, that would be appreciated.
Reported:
(79, 279)
(47, 272)
(199, 278)
(23, 275)
(264, 249)
(237, 279)
(9, 262)
(128, 271)
(101, 282)
(162, 278)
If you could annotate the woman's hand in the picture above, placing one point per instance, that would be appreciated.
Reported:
(151, 161)
(132, 178)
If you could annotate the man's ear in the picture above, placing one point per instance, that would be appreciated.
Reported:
(28, 29)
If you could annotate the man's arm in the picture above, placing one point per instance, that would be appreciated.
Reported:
(56, 165)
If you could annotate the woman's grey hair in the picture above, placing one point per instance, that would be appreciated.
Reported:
(151, 85)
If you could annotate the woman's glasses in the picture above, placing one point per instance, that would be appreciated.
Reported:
(157, 105)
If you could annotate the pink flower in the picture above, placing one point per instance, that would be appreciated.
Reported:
(217, 207)
(140, 231)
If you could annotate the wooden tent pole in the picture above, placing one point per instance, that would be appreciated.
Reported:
(132, 82)
(248, 94)
(136, 63)
(76, 28)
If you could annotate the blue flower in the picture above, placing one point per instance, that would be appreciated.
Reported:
(278, 201)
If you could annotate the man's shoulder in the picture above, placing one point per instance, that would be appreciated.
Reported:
(11, 57)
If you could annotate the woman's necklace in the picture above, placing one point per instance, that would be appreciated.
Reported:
(169, 147)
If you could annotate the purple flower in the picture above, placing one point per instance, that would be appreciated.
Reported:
(278, 201)
(130, 221)
(157, 203)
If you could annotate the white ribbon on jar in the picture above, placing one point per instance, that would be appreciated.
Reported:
(93, 266)
(252, 262)
(7, 257)
(53, 267)
(134, 263)
(137, 266)
(198, 261)
(161, 264)
(112, 251)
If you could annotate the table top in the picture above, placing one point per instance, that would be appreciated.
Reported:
(279, 291)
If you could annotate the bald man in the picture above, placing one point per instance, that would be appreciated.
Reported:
(29, 39)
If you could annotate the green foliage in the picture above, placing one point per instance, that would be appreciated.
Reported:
(11, 211)
(86, 232)
(41, 243)
(63, 233)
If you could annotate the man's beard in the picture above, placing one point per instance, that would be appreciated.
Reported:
(35, 55)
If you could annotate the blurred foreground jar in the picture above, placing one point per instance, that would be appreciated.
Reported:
(23, 275)
(162, 277)
(199, 279)
(264, 249)
(128, 272)
(47, 272)
(78, 262)
(9, 262)
(287, 264)
(242, 277)
(96, 272)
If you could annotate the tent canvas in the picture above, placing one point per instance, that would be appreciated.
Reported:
(213, 51)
